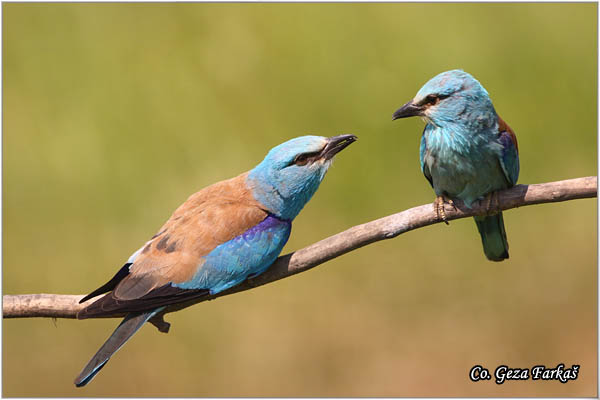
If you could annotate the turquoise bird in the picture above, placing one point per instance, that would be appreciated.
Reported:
(467, 150)
(219, 237)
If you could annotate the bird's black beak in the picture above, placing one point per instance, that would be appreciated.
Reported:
(408, 110)
(335, 144)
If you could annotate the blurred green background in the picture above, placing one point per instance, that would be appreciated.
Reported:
(115, 113)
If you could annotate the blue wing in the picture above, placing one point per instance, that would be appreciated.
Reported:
(249, 254)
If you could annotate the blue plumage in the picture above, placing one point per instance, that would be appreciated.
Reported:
(467, 151)
(284, 185)
(248, 254)
(219, 237)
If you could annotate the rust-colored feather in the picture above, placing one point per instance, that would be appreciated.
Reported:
(503, 127)
(210, 217)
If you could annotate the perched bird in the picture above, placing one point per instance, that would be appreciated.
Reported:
(467, 150)
(219, 237)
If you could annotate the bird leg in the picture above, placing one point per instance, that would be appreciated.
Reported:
(439, 204)
(492, 203)
(159, 322)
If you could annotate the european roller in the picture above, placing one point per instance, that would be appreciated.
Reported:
(222, 235)
(467, 150)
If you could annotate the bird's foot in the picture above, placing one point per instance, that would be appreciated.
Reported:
(439, 206)
(492, 203)
(159, 322)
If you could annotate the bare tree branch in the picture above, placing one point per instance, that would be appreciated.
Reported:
(67, 306)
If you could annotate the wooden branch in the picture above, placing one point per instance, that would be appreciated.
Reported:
(67, 306)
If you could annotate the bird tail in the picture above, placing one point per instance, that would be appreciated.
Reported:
(125, 330)
(493, 236)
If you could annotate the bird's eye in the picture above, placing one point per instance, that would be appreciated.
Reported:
(302, 159)
(432, 99)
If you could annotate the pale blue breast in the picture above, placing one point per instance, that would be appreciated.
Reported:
(462, 165)
(249, 254)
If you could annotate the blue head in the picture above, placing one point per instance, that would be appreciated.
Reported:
(291, 173)
(452, 98)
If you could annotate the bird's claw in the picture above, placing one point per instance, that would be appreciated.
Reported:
(492, 205)
(439, 205)
(159, 322)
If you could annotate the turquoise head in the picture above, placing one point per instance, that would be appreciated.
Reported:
(291, 173)
(452, 98)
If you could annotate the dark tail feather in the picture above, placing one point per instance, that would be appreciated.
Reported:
(124, 331)
(493, 236)
(110, 285)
